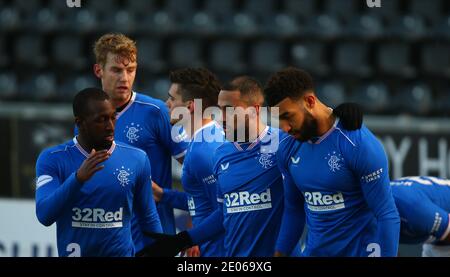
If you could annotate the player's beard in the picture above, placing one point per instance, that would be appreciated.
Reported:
(105, 145)
(308, 130)
(101, 144)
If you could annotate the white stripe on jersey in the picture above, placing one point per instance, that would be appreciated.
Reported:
(42, 180)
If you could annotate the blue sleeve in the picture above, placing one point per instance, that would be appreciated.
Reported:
(293, 221)
(211, 226)
(144, 204)
(424, 219)
(52, 196)
(370, 165)
(177, 143)
(176, 199)
(211, 190)
(205, 175)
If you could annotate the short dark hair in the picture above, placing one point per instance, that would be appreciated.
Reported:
(249, 87)
(84, 97)
(197, 83)
(290, 82)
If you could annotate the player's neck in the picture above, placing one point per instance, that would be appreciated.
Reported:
(325, 119)
(261, 128)
(252, 136)
(84, 143)
(121, 103)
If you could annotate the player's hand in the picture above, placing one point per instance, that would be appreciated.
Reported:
(157, 192)
(194, 251)
(166, 245)
(350, 114)
(90, 165)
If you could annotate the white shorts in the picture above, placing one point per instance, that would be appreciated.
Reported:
(430, 250)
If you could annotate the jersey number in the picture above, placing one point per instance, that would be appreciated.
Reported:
(74, 250)
(374, 250)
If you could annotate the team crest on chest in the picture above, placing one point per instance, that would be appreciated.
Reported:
(335, 161)
(265, 159)
(122, 175)
(132, 132)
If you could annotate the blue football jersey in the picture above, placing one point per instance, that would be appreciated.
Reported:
(94, 218)
(423, 203)
(340, 183)
(251, 188)
(199, 182)
(144, 123)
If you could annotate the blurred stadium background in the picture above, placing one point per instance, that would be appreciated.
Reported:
(393, 60)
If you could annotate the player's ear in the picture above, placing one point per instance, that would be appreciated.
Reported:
(98, 70)
(309, 100)
(191, 106)
(78, 121)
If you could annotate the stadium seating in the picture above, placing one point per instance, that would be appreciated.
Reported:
(373, 97)
(43, 20)
(310, 55)
(391, 9)
(259, 8)
(157, 87)
(158, 24)
(200, 24)
(407, 27)
(267, 56)
(342, 9)
(324, 27)
(186, 52)
(436, 59)
(59, 6)
(8, 86)
(9, 19)
(281, 26)
(219, 8)
(29, 51)
(27, 6)
(430, 10)
(73, 84)
(241, 25)
(415, 99)
(143, 7)
(442, 103)
(121, 21)
(365, 27)
(106, 7)
(227, 56)
(151, 54)
(440, 29)
(38, 87)
(302, 8)
(68, 51)
(4, 59)
(82, 22)
(394, 59)
(373, 53)
(352, 59)
(332, 93)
